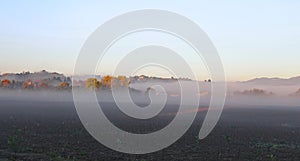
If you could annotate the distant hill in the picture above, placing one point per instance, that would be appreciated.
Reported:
(36, 76)
(254, 92)
(274, 81)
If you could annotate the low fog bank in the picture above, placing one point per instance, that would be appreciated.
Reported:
(238, 94)
(36, 96)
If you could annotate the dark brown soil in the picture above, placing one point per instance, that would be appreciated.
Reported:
(52, 131)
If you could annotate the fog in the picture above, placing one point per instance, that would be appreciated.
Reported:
(238, 94)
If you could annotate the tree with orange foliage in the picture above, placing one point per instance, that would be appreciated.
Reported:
(28, 85)
(5, 83)
(92, 83)
(107, 81)
(123, 81)
(63, 85)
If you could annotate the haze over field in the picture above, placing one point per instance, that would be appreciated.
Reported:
(259, 91)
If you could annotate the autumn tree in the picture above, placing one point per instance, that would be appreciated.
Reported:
(93, 83)
(123, 81)
(5, 83)
(107, 81)
(63, 85)
(28, 85)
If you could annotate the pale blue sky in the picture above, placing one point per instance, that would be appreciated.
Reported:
(254, 38)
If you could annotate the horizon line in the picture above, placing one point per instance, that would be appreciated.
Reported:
(156, 76)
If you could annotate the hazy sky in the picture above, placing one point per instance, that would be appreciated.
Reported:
(254, 39)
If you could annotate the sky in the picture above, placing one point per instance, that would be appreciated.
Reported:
(253, 38)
